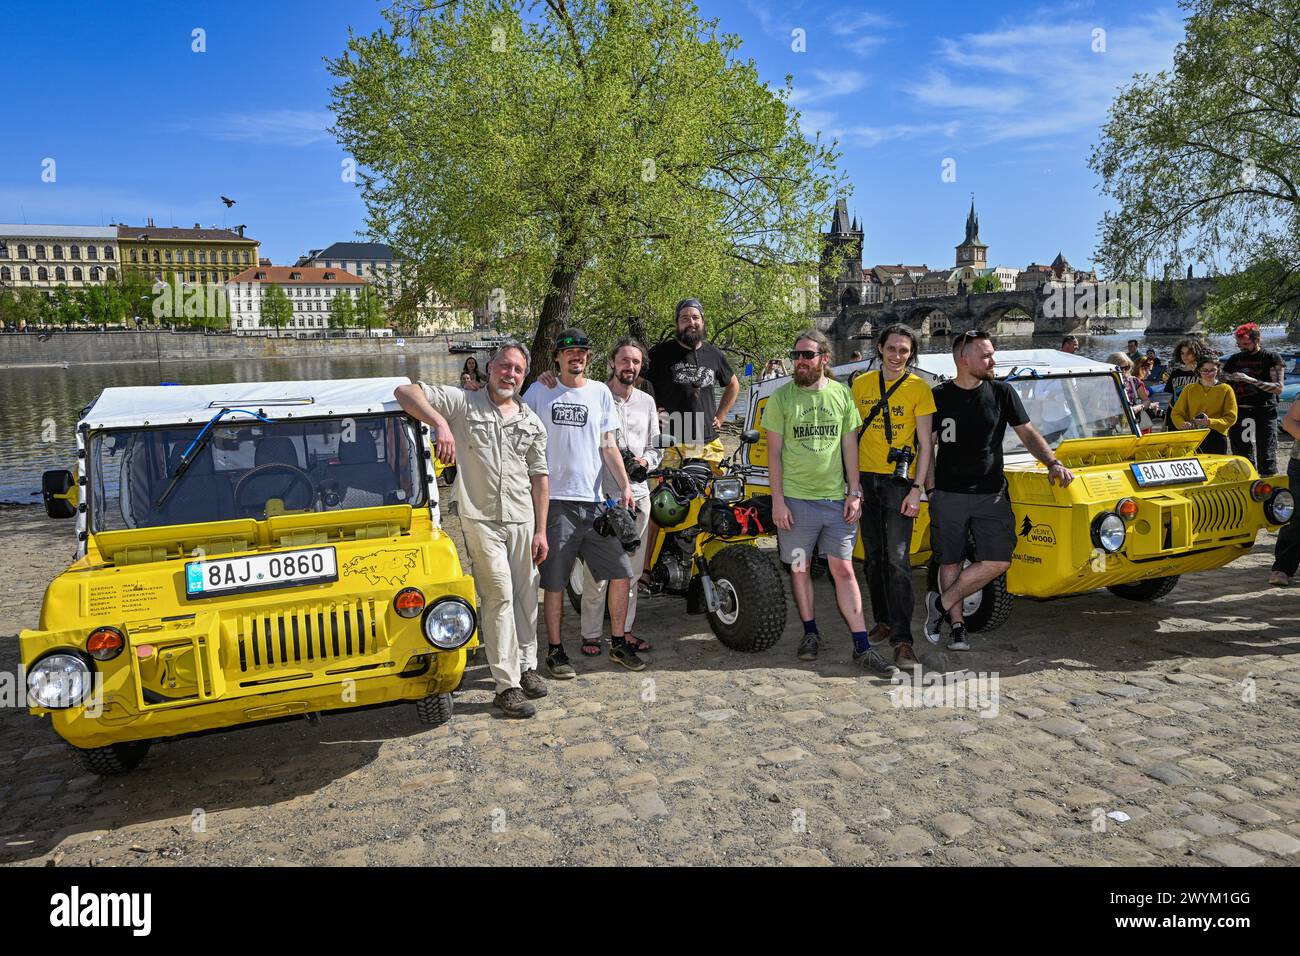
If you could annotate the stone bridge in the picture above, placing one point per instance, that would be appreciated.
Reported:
(1154, 307)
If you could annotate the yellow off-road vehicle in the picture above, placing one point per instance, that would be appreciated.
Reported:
(1142, 511)
(245, 552)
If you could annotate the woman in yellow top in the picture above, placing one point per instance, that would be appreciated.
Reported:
(1207, 403)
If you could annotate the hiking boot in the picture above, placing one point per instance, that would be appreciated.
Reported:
(557, 664)
(809, 646)
(871, 660)
(1279, 579)
(905, 658)
(878, 634)
(957, 638)
(935, 616)
(512, 703)
(622, 654)
(531, 683)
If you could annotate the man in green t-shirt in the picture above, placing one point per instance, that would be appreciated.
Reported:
(812, 425)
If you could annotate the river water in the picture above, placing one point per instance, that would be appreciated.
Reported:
(39, 407)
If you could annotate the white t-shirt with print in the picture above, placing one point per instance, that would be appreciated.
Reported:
(575, 418)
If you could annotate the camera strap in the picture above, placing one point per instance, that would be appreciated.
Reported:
(883, 404)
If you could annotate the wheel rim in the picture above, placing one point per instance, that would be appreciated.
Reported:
(728, 602)
(576, 577)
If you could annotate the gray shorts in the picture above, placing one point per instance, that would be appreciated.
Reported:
(820, 525)
(987, 519)
(569, 534)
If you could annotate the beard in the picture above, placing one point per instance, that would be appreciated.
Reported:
(806, 377)
(627, 376)
(983, 374)
(690, 337)
(502, 390)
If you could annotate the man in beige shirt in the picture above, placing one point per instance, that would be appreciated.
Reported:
(502, 492)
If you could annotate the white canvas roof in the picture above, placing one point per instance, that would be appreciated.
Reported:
(181, 404)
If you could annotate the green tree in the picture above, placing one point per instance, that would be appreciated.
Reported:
(1203, 162)
(988, 283)
(343, 313)
(370, 310)
(596, 160)
(277, 310)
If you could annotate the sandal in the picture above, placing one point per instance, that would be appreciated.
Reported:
(636, 643)
(591, 648)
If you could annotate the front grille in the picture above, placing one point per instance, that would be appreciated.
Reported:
(304, 635)
(1218, 510)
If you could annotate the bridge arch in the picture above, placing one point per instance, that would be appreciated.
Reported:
(926, 320)
(1005, 318)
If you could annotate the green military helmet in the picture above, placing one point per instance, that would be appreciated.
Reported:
(666, 509)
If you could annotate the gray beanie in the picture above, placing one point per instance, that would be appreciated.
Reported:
(686, 304)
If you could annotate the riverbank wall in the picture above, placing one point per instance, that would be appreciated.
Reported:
(84, 348)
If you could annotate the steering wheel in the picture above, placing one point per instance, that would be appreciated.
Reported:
(278, 479)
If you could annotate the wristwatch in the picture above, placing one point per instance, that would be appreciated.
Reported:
(1053, 463)
(917, 484)
(855, 493)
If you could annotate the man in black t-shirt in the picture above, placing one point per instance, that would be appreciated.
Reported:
(966, 487)
(1256, 376)
(683, 372)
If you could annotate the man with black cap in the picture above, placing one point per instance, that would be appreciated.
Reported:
(581, 422)
(683, 372)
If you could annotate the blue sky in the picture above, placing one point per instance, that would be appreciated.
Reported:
(139, 124)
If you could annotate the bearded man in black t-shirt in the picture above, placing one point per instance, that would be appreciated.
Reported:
(967, 489)
(683, 371)
(1256, 376)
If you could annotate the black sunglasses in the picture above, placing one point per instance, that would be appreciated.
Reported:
(804, 354)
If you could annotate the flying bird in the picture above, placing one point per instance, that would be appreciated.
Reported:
(228, 202)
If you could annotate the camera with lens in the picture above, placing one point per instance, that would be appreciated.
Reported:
(618, 522)
(635, 470)
(901, 459)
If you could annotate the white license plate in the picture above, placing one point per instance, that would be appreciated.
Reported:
(260, 572)
(1172, 472)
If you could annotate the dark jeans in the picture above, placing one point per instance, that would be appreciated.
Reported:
(1286, 556)
(1265, 428)
(886, 548)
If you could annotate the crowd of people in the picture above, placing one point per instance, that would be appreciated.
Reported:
(538, 471)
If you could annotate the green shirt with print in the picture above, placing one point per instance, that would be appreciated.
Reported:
(811, 423)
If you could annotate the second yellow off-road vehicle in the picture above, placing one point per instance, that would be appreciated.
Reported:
(1142, 511)
(245, 552)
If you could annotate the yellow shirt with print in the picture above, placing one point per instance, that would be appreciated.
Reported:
(911, 399)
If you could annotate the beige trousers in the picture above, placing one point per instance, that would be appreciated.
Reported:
(593, 592)
(506, 580)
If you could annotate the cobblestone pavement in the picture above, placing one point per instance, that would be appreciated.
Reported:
(1121, 733)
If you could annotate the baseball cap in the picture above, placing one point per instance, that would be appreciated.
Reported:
(572, 339)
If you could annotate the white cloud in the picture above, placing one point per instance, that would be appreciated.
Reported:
(827, 85)
(1041, 77)
(282, 127)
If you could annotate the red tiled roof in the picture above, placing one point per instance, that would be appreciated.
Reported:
(280, 275)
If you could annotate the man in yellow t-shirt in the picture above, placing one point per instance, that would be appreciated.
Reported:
(890, 465)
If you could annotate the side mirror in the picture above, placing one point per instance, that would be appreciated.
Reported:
(58, 491)
(751, 437)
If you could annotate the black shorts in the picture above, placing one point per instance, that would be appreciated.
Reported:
(987, 519)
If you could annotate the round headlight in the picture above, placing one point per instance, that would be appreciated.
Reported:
(1108, 532)
(448, 624)
(58, 681)
(1280, 507)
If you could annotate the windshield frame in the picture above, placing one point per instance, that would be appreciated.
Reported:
(1023, 454)
(94, 475)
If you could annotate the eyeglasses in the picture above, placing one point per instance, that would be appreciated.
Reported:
(970, 336)
(804, 354)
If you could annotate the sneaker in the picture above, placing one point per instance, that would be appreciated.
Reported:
(935, 615)
(557, 664)
(531, 683)
(878, 634)
(957, 639)
(809, 646)
(905, 657)
(512, 703)
(622, 654)
(871, 660)
(1279, 579)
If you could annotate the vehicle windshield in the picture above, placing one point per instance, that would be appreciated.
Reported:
(247, 468)
(1079, 406)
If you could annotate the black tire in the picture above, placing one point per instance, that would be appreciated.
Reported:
(574, 589)
(434, 710)
(1148, 590)
(115, 759)
(993, 608)
(752, 615)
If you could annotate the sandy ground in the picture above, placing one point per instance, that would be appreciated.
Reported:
(1179, 717)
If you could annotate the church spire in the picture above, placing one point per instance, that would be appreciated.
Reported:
(972, 225)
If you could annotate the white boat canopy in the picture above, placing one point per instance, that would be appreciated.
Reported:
(196, 404)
